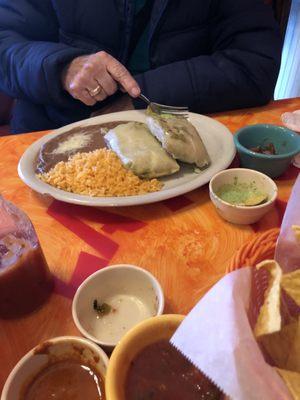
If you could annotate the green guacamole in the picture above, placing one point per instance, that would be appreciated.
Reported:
(241, 193)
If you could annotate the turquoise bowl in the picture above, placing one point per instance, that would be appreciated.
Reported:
(285, 141)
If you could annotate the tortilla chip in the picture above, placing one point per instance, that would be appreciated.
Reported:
(269, 318)
(296, 229)
(284, 346)
(293, 362)
(292, 381)
(291, 284)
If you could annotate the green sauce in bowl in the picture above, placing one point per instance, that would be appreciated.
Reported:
(242, 194)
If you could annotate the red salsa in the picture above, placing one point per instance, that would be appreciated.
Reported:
(160, 372)
(268, 149)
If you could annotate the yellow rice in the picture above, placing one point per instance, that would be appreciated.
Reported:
(98, 173)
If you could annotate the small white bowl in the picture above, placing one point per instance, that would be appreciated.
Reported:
(36, 359)
(132, 293)
(242, 214)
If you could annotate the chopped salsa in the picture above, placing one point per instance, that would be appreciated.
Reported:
(267, 148)
(160, 372)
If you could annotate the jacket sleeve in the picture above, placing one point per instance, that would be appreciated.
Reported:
(31, 57)
(240, 71)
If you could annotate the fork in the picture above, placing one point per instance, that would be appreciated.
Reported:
(164, 109)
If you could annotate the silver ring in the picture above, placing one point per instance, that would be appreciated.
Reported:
(95, 91)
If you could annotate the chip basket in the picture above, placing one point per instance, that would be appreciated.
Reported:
(261, 247)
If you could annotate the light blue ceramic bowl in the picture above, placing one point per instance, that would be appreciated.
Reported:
(285, 141)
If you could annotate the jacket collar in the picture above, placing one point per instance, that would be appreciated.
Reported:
(158, 9)
(126, 11)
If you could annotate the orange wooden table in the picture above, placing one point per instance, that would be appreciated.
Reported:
(183, 242)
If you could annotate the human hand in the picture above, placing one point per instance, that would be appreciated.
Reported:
(94, 77)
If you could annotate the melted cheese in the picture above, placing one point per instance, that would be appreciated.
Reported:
(72, 143)
(139, 151)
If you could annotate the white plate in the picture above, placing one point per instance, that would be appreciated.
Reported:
(216, 137)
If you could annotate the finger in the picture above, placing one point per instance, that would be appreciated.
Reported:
(86, 98)
(94, 91)
(84, 78)
(122, 76)
(79, 89)
(101, 95)
(107, 83)
(83, 95)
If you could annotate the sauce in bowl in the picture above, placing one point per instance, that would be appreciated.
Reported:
(242, 194)
(160, 372)
(65, 380)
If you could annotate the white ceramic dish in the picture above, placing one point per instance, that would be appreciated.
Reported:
(32, 363)
(242, 214)
(132, 293)
(216, 137)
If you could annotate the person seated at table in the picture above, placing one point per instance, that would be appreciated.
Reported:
(62, 60)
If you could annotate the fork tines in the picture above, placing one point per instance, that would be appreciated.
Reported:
(174, 110)
(179, 114)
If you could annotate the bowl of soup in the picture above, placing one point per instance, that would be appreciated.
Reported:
(144, 365)
(62, 368)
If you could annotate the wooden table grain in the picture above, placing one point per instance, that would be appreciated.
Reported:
(183, 242)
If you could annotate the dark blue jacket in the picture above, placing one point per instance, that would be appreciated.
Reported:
(211, 55)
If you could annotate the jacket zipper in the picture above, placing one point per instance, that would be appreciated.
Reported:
(128, 14)
(155, 24)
